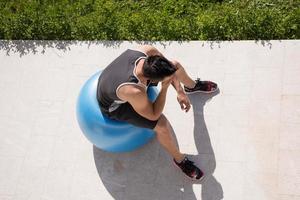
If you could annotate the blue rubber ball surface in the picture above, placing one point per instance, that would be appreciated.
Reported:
(106, 134)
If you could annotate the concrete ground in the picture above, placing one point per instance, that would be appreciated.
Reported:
(246, 138)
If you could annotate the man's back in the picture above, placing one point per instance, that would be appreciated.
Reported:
(116, 74)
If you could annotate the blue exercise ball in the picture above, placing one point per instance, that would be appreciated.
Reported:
(105, 133)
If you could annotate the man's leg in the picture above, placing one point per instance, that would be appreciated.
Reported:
(183, 77)
(164, 135)
(192, 86)
(163, 130)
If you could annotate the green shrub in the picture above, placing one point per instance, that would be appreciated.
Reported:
(149, 20)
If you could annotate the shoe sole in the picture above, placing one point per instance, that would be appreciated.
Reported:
(200, 179)
(199, 91)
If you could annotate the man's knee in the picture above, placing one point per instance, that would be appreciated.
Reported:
(162, 124)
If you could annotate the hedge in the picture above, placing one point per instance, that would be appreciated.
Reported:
(149, 20)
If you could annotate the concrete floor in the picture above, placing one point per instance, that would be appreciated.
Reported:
(246, 138)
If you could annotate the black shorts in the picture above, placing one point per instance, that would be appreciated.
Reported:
(125, 112)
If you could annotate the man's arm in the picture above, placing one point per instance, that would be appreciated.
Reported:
(176, 83)
(139, 100)
(182, 99)
(177, 86)
(152, 51)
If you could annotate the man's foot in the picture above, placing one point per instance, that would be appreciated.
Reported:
(189, 169)
(202, 86)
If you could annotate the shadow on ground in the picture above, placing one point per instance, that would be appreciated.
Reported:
(149, 174)
(24, 47)
(211, 188)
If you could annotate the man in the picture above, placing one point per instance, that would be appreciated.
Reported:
(122, 95)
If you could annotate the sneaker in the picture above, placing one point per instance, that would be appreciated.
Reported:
(189, 169)
(202, 86)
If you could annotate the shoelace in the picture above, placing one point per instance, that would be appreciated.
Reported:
(203, 86)
(199, 82)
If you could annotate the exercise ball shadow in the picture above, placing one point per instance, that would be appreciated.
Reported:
(106, 134)
(149, 173)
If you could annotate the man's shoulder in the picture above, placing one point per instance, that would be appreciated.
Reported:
(129, 91)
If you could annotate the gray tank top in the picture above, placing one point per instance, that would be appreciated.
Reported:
(118, 73)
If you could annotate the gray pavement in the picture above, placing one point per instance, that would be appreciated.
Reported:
(246, 138)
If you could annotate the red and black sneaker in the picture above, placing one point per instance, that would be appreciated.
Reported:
(202, 86)
(189, 169)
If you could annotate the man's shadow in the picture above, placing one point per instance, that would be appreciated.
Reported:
(149, 174)
(211, 188)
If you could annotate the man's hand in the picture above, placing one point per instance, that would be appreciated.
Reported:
(184, 101)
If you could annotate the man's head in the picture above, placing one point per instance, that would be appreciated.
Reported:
(156, 68)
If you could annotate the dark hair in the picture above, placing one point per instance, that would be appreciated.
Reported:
(157, 68)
